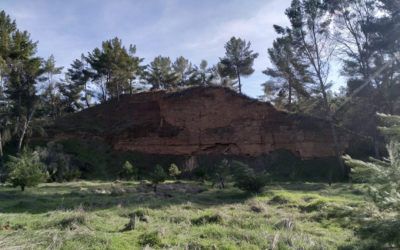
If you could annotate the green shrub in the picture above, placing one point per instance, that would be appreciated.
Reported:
(174, 171)
(129, 171)
(72, 222)
(208, 219)
(200, 174)
(382, 179)
(245, 178)
(58, 164)
(151, 239)
(221, 173)
(26, 170)
(158, 176)
(314, 206)
(279, 200)
(382, 231)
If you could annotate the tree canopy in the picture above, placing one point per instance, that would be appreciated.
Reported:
(238, 60)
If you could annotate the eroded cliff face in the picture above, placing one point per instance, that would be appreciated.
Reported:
(200, 121)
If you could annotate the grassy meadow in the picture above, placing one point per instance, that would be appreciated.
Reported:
(181, 215)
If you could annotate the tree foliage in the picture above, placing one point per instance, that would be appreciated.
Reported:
(129, 171)
(238, 60)
(21, 72)
(161, 75)
(159, 175)
(382, 178)
(58, 165)
(246, 179)
(289, 75)
(26, 170)
(113, 68)
(174, 171)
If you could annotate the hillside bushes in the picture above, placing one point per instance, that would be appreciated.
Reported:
(57, 163)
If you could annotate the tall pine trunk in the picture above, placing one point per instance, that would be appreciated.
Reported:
(290, 96)
(332, 125)
(2, 168)
(22, 136)
(87, 97)
(240, 83)
(24, 130)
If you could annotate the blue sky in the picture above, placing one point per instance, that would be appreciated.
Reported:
(192, 28)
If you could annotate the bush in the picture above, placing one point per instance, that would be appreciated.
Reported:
(151, 239)
(26, 170)
(73, 222)
(245, 178)
(222, 171)
(58, 164)
(129, 171)
(200, 174)
(279, 200)
(382, 178)
(208, 219)
(174, 171)
(158, 176)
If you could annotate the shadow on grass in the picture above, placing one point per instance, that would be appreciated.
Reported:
(51, 198)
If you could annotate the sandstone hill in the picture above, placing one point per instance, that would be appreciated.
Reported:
(196, 122)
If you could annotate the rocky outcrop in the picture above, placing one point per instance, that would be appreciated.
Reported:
(199, 121)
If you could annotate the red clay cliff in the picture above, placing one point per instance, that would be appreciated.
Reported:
(199, 121)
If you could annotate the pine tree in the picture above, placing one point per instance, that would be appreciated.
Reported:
(113, 68)
(161, 75)
(354, 37)
(21, 72)
(159, 175)
(26, 170)
(289, 76)
(135, 69)
(311, 37)
(77, 81)
(8, 27)
(221, 78)
(22, 79)
(51, 95)
(202, 75)
(382, 178)
(184, 70)
(238, 60)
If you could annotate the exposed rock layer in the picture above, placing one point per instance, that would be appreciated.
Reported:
(200, 121)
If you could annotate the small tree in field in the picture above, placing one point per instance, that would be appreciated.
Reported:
(222, 171)
(158, 176)
(245, 178)
(174, 171)
(26, 170)
(129, 171)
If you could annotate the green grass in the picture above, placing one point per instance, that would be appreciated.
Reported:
(186, 215)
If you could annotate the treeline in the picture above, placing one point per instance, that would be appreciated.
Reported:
(34, 91)
(361, 38)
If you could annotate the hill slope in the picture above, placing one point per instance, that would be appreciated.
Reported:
(199, 121)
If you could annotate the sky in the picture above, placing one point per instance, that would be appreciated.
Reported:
(191, 28)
